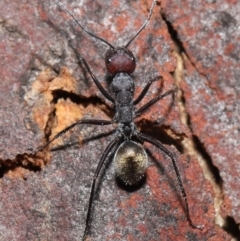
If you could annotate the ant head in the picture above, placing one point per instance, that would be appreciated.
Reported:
(120, 60)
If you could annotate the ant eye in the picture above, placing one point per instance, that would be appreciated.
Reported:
(120, 60)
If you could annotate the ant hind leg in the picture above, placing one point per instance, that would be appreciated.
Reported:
(107, 152)
(180, 183)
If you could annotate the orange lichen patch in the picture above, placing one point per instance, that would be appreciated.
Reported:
(25, 163)
(51, 111)
(46, 82)
(66, 113)
(41, 97)
(64, 81)
(18, 172)
(42, 82)
(41, 115)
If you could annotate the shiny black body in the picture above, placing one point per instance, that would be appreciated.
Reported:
(120, 63)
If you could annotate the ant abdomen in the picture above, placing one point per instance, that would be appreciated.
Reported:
(130, 162)
(119, 60)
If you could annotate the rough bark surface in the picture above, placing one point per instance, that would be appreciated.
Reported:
(43, 89)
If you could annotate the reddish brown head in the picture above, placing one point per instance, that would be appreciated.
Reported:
(120, 60)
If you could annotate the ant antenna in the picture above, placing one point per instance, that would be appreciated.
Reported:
(101, 39)
(144, 25)
(79, 24)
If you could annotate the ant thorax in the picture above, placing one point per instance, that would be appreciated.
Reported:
(123, 83)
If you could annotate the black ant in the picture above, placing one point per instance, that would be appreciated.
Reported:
(130, 157)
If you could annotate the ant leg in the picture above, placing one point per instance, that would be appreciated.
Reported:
(144, 91)
(168, 153)
(103, 158)
(153, 101)
(100, 87)
(87, 121)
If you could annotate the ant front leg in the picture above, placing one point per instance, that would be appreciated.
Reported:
(100, 87)
(87, 121)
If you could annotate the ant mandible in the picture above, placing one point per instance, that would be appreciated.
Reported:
(130, 157)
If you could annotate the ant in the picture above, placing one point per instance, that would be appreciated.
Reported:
(130, 157)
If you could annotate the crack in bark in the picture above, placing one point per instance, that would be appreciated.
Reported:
(30, 162)
(197, 149)
(36, 160)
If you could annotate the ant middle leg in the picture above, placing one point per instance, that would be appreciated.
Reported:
(107, 152)
(86, 121)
